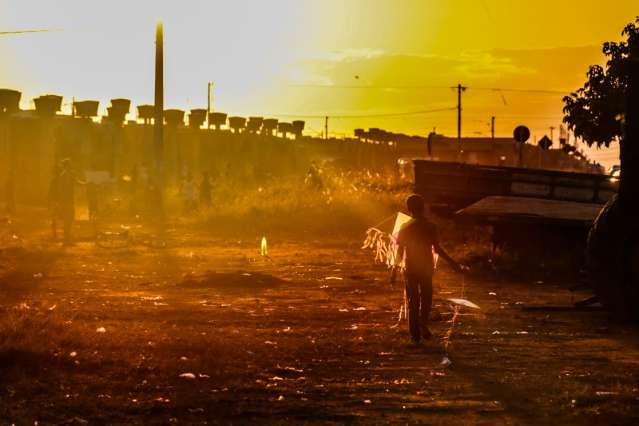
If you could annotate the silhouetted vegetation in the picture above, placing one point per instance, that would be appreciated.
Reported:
(595, 112)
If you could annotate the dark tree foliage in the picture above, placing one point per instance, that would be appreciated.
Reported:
(595, 112)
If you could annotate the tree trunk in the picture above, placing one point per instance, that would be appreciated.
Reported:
(613, 242)
(629, 145)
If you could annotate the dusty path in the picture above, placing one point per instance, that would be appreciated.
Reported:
(103, 336)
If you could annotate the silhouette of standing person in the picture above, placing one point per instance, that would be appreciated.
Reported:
(54, 199)
(134, 182)
(417, 242)
(205, 190)
(10, 193)
(66, 197)
(154, 199)
(93, 201)
(189, 193)
(313, 177)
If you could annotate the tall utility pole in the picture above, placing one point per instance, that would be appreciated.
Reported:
(208, 103)
(158, 125)
(326, 128)
(460, 89)
(492, 128)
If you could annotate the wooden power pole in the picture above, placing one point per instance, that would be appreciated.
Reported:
(326, 128)
(158, 127)
(492, 128)
(208, 104)
(460, 90)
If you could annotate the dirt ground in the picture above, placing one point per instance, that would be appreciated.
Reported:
(205, 330)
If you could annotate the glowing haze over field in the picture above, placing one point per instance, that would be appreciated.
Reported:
(276, 57)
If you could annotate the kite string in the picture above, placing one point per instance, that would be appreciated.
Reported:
(447, 339)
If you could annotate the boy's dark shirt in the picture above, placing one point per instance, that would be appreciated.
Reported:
(418, 236)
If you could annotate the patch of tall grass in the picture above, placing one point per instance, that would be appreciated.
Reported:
(330, 202)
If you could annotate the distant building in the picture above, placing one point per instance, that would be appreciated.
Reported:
(495, 152)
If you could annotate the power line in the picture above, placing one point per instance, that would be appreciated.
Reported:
(523, 116)
(28, 31)
(540, 91)
(422, 87)
(336, 86)
(390, 114)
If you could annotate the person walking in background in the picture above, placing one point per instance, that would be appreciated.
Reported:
(134, 190)
(66, 182)
(313, 176)
(205, 190)
(154, 204)
(93, 204)
(54, 199)
(189, 193)
(417, 242)
(10, 193)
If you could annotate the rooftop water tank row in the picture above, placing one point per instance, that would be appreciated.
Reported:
(49, 105)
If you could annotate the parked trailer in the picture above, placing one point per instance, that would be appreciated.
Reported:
(540, 215)
(457, 185)
(541, 230)
(496, 210)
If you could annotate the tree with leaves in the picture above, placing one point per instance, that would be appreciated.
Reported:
(606, 110)
(595, 112)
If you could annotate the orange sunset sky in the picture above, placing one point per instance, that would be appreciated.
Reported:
(348, 59)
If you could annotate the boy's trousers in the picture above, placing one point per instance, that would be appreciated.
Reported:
(419, 292)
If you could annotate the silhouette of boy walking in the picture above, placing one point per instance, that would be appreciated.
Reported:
(417, 242)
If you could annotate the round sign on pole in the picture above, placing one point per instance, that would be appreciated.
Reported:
(521, 134)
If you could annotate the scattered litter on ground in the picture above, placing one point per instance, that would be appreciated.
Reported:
(463, 302)
(446, 362)
(606, 393)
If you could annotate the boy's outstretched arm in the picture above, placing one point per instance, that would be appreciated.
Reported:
(452, 262)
